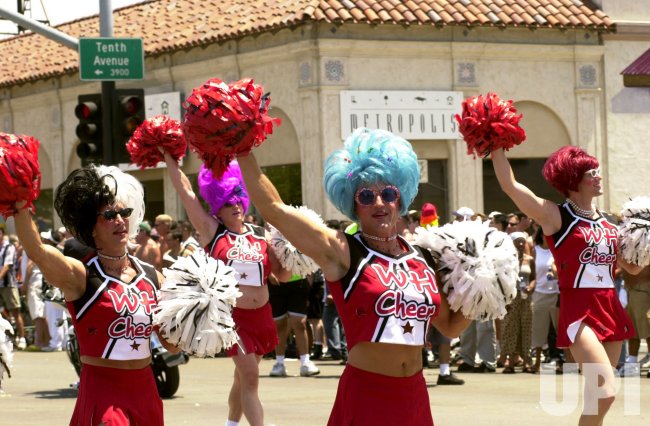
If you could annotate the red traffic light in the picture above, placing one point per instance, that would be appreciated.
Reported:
(85, 110)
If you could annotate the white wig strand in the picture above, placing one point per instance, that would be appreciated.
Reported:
(634, 231)
(195, 305)
(6, 349)
(289, 256)
(127, 190)
(478, 266)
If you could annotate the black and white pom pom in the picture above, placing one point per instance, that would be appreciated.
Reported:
(478, 266)
(195, 305)
(289, 256)
(6, 349)
(634, 231)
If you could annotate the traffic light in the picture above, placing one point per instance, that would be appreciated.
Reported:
(128, 114)
(89, 129)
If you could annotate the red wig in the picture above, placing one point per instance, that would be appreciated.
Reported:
(565, 168)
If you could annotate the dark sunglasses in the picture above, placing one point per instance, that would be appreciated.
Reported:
(112, 214)
(367, 196)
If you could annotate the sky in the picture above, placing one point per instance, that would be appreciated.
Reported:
(58, 11)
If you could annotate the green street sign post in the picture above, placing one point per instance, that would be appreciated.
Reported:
(109, 58)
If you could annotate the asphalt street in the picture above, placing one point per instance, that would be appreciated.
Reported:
(39, 393)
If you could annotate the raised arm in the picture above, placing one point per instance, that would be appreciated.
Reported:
(63, 272)
(327, 247)
(543, 211)
(205, 224)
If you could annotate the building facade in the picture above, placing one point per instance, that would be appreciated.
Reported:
(559, 65)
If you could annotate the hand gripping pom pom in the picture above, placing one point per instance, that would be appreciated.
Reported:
(6, 349)
(195, 305)
(478, 266)
(222, 121)
(289, 256)
(20, 175)
(488, 124)
(634, 231)
(155, 133)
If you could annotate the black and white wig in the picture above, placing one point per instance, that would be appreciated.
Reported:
(87, 190)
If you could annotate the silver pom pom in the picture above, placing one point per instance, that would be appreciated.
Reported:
(6, 349)
(288, 255)
(478, 266)
(195, 305)
(633, 232)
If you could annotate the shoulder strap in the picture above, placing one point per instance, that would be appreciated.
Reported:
(426, 254)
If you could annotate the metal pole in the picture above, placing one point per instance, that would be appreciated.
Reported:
(44, 30)
(108, 87)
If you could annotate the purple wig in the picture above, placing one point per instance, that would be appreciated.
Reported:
(229, 189)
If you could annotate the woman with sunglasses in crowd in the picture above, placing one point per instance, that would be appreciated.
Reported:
(592, 321)
(225, 236)
(385, 289)
(110, 295)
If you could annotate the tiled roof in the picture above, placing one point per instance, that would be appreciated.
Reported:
(641, 66)
(170, 25)
(637, 74)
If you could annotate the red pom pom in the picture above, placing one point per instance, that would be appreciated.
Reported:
(488, 124)
(20, 174)
(222, 121)
(157, 132)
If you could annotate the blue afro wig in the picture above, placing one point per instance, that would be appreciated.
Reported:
(369, 157)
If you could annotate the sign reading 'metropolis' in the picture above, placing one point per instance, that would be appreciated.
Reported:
(409, 114)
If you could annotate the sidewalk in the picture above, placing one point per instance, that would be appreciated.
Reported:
(39, 393)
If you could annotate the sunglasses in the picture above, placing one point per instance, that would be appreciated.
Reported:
(593, 172)
(367, 196)
(112, 214)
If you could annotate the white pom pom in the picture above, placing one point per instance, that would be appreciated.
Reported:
(195, 305)
(634, 231)
(478, 266)
(6, 349)
(288, 255)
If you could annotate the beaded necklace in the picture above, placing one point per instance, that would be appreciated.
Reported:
(105, 256)
(375, 238)
(588, 214)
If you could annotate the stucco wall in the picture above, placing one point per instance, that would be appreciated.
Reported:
(628, 125)
(305, 70)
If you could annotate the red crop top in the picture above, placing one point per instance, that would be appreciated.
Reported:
(112, 319)
(247, 253)
(386, 299)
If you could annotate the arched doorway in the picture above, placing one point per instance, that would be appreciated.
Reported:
(279, 158)
(545, 133)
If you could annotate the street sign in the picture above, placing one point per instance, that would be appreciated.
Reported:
(108, 59)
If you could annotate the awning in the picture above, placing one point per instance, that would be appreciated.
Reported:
(637, 74)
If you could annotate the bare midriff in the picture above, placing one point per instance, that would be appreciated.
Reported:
(130, 364)
(386, 358)
(252, 297)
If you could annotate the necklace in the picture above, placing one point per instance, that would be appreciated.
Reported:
(105, 256)
(375, 238)
(580, 211)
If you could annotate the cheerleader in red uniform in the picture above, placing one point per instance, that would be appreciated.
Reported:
(385, 289)
(111, 295)
(225, 236)
(592, 323)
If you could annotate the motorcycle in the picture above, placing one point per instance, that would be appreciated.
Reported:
(164, 364)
